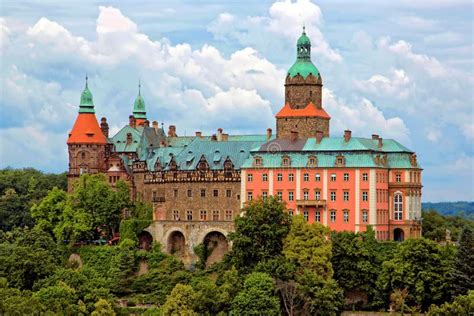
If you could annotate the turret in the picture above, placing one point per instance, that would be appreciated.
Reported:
(139, 110)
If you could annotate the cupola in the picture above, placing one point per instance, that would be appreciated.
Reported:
(139, 110)
(303, 65)
(87, 103)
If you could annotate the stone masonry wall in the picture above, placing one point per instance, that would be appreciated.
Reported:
(305, 126)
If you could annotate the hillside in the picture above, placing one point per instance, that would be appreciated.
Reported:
(451, 208)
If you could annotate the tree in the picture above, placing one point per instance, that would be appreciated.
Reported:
(257, 296)
(103, 308)
(308, 245)
(180, 301)
(462, 277)
(207, 296)
(420, 266)
(58, 299)
(462, 305)
(48, 213)
(259, 233)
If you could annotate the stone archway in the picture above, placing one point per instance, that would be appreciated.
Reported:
(398, 234)
(217, 246)
(176, 244)
(145, 240)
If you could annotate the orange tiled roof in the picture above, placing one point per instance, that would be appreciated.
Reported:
(309, 110)
(139, 121)
(86, 130)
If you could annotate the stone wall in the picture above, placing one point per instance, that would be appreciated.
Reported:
(90, 157)
(305, 126)
(299, 92)
(167, 233)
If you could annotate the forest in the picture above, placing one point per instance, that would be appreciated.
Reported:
(55, 259)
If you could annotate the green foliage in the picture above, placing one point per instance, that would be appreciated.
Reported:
(462, 305)
(463, 209)
(19, 190)
(27, 255)
(257, 296)
(103, 308)
(130, 228)
(435, 226)
(48, 213)
(180, 301)
(309, 247)
(58, 299)
(259, 233)
(420, 266)
(16, 302)
(462, 276)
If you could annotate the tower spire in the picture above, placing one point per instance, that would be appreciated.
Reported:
(87, 103)
(139, 110)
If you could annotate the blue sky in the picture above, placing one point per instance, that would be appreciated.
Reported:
(401, 69)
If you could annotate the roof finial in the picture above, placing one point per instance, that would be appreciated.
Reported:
(86, 81)
(304, 29)
(139, 87)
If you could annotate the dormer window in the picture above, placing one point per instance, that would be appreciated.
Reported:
(312, 161)
(203, 165)
(285, 161)
(257, 161)
(340, 161)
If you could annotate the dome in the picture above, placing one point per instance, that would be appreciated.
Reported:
(303, 64)
(303, 40)
(87, 103)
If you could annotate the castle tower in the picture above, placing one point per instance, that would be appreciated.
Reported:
(303, 111)
(139, 111)
(87, 144)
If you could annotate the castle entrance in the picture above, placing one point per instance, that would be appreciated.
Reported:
(217, 246)
(176, 244)
(398, 234)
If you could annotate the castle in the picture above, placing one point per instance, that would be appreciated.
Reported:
(198, 184)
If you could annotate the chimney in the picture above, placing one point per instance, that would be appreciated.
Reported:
(155, 126)
(131, 121)
(129, 138)
(319, 136)
(214, 137)
(269, 133)
(347, 135)
(198, 134)
(294, 136)
(375, 136)
(219, 134)
(380, 142)
(225, 137)
(104, 126)
(172, 131)
(146, 123)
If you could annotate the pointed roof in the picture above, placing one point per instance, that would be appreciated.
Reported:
(86, 130)
(303, 65)
(87, 103)
(309, 111)
(139, 110)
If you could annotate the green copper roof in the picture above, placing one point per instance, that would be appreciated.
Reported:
(120, 139)
(139, 110)
(87, 103)
(303, 64)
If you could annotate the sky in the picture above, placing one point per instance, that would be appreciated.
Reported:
(401, 69)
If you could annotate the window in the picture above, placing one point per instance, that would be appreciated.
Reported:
(176, 215)
(228, 193)
(175, 193)
(305, 195)
(306, 177)
(398, 177)
(280, 196)
(398, 207)
(264, 195)
(333, 177)
(249, 195)
(365, 196)
(264, 177)
(279, 177)
(190, 193)
(346, 177)
(153, 194)
(215, 215)
(285, 162)
(317, 177)
(189, 215)
(312, 161)
(333, 195)
(215, 192)
(365, 177)
(365, 216)
(346, 216)
(290, 196)
(203, 215)
(228, 215)
(317, 216)
(317, 195)
(333, 216)
(203, 192)
(305, 215)
(291, 177)
(346, 196)
(249, 177)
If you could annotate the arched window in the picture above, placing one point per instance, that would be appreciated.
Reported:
(398, 207)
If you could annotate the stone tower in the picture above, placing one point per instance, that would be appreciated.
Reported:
(303, 111)
(87, 144)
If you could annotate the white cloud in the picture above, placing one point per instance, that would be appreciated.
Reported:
(111, 20)
(279, 29)
(398, 85)
(433, 135)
